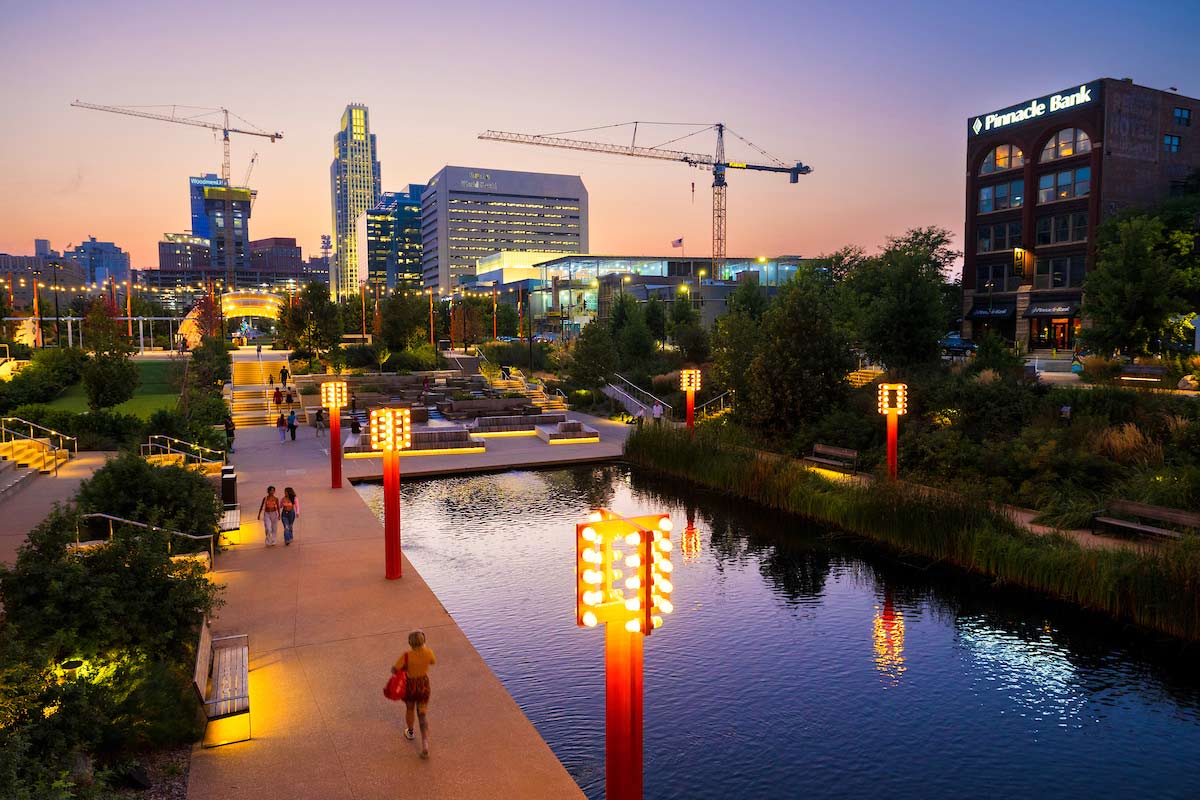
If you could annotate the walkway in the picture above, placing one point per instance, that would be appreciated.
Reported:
(325, 627)
(30, 504)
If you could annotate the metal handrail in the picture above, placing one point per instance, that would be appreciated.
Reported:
(630, 397)
(63, 438)
(637, 388)
(47, 449)
(720, 397)
(212, 552)
(219, 454)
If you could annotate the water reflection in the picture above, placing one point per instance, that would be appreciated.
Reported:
(764, 685)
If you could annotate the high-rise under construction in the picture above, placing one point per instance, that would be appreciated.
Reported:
(354, 188)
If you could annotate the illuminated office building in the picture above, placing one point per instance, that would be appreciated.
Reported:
(237, 201)
(100, 260)
(183, 251)
(354, 189)
(389, 241)
(468, 213)
(196, 184)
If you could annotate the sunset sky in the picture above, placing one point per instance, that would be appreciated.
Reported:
(875, 96)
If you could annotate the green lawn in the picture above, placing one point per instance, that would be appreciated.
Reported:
(154, 392)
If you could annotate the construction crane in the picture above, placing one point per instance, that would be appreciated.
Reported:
(224, 128)
(715, 162)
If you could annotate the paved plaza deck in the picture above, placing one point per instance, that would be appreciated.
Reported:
(325, 627)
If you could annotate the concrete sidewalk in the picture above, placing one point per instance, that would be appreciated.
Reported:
(325, 627)
(30, 504)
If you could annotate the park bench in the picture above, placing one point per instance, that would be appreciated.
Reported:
(840, 458)
(1146, 373)
(443, 439)
(1142, 511)
(515, 424)
(569, 432)
(222, 681)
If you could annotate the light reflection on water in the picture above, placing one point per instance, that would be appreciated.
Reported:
(796, 663)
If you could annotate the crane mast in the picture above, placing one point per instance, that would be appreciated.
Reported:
(715, 162)
(225, 129)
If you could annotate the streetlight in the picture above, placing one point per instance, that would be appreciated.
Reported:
(893, 401)
(689, 381)
(333, 397)
(391, 432)
(608, 547)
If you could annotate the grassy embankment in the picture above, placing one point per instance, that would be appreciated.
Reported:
(154, 392)
(1159, 590)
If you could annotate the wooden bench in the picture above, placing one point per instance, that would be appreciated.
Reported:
(518, 424)
(841, 458)
(1142, 511)
(231, 520)
(1145, 373)
(222, 681)
(569, 432)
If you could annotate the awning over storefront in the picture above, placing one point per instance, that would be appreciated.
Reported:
(992, 311)
(1052, 308)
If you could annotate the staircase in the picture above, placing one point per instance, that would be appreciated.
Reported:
(535, 392)
(250, 394)
(13, 478)
(36, 454)
(862, 377)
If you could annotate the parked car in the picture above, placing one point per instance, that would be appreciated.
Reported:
(954, 344)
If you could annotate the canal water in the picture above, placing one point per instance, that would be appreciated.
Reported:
(802, 663)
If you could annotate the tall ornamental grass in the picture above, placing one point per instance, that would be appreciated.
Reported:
(1158, 589)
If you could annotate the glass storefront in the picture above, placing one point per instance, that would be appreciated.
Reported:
(1053, 332)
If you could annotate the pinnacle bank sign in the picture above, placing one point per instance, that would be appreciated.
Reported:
(1086, 94)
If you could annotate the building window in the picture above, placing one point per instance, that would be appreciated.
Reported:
(1001, 196)
(1062, 228)
(1060, 272)
(1064, 185)
(1066, 143)
(1183, 116)
(991, 278)
(1000, 236)
(1006, 156)
(1171, 143)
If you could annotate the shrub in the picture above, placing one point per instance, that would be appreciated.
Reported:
(109, 379)
(1099, 370)
(94, 430)
(172, 497)
(1128, 445)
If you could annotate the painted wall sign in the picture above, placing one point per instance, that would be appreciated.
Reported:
(1034, 109)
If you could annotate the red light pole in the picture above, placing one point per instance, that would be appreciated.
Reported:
(493, 311)
(893, 401)
(391, 432)
(432, 343)
(333, 397)
(630, 607)
(689, 381)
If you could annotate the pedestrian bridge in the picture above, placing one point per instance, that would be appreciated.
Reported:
(241, 303)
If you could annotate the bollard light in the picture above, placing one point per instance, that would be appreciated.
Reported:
(391, 432)
(623, 579)
(689, 381)
(334, 397)
(893, 401)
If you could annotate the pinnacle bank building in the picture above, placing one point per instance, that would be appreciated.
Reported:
(1041, 176)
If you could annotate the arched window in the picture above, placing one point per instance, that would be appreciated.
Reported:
(1006, 156)
(1066, 143)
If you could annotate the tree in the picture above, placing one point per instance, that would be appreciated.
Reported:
(382, 354)
(594, 356)
(624, 307)
(800, 363)
(735, 337)
(693, 342)
(313, 323)
(506, 320)
(635, 342)
(656, 318)
(682, 313)
(109, 375)
(1129, 296)
(101, 333)
(749, 299)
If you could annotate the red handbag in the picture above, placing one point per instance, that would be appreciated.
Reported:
(397, 684)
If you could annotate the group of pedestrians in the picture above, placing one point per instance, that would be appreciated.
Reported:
(274, 510)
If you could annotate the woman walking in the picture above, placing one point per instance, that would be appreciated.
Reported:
(268, 512)
(282, 426)
(319, 421)
(277, 397)
(291, 423)
(289, 506)
(416, 662)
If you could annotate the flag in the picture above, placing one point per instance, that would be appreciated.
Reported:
(677, 243)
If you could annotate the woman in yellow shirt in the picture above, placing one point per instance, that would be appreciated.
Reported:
(416, 662)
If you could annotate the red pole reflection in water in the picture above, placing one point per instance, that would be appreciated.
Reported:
(889, 641)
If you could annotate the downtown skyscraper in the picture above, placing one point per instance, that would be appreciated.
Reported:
(354, 189)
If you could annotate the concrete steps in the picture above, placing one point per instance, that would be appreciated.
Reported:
(862, 377)
(33, 454)
(13, 478)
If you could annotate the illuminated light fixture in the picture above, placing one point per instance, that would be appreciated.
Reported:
(334, 397)
(689, 381)
(893, 401)
(391, 432)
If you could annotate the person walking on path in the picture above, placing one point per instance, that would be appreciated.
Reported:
(288, 398)
(277, 397)
(230, 428)
(416, 662)
(289, 509)
(291, 424)
(355, 433)
(319, 421)
(270, 379)
(258, 350)
(657, 412)
(284, 375)
(268, 512)
(282, 425)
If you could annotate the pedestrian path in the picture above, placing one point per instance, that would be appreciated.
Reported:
(324, 627)
(29, 504)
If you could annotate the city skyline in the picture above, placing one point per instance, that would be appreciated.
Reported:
(813, 96)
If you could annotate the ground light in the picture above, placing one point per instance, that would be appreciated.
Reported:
(333, 397)
(689, 381)
(893, 401)
(623, 579)
(391, 432)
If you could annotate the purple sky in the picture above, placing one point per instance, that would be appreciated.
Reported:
(874, 95)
